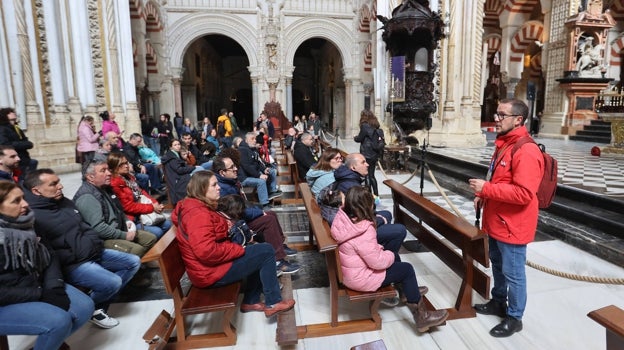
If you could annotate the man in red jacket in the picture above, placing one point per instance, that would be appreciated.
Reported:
(510, 209)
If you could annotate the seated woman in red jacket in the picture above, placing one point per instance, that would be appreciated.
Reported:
(211, 259)
(126, 188)
(365, 264)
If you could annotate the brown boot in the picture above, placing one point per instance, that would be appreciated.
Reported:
(425, 318)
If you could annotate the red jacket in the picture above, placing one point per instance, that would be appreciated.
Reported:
(206, 250)
(510, 206)
(124, 193)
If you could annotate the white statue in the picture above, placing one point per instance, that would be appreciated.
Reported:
(589, 63)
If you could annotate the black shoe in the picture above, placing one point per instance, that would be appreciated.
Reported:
(506, 328)
(492, 307)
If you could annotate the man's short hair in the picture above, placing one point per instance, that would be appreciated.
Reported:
(5, 148)
(518, 107)
(90, 167)
(135, 136)
(351, 159)
(305, 135)
(186, 133)
(250, 136)
(33, 178)
(218, 164)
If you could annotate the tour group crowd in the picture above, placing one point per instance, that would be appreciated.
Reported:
(64, 261)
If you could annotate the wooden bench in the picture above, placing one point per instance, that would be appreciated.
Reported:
(471, 242)
(319, 230)
(294, 171)
(612, 318)
(194, 301)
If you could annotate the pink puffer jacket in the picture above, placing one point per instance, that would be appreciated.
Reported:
(364, 261)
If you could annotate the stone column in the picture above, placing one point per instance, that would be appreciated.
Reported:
(288, 102)
(32, 108)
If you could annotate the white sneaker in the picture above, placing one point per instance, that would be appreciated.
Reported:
(101, 319)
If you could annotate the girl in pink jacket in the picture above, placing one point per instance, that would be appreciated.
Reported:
(366, 266)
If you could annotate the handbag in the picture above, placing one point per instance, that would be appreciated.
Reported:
(240, 233)
(153, 218)
(154, 132)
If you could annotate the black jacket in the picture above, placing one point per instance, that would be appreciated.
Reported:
(59, 223)
(17, 285)
(305, 158)
(177, 175)
(250, 163)
(365, 138)
(10, 137)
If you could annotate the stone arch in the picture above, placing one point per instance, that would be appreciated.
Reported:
(529, 32)
(152, 17)
(521, 6)
(365, 19)
(616, 50)
(536, 66)
(308, 28)
(189, 28)
(494, 43)
(136, 9)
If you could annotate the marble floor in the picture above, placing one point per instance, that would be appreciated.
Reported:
(555, 318)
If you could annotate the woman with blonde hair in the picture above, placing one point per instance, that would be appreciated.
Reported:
(210, 257)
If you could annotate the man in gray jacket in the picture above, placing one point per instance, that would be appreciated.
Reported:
(101, 209)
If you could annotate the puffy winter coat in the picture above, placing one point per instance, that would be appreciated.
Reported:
(202, 236)
(319, 179)
(347, 178)
(510, 205)
(364, 261)
(131, 205)
(59, 223)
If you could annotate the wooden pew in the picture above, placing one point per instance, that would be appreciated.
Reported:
(612, 318)
(195, 301)
(320, 231)
(471, 241)
(294, 171)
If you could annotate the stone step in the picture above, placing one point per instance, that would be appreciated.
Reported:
(591, 138)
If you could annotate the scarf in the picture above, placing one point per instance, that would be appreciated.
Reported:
(21, 246)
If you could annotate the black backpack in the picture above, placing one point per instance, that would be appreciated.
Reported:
(378, 142)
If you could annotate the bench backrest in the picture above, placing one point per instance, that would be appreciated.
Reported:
(292, 166)
(322, 232)
(167, 252)
(470, 239)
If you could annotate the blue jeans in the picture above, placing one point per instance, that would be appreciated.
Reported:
(106, 277)
(154, 175)
(52, 324)
(391, 236)
(272, 180)
(510, 284)
(261, 188)
(142, 180)
(403, 272)
(160, 230)
(385, 214)
(258, 266)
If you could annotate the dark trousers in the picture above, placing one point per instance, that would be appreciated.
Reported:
(403, 272)
(268, 230)
(391, 236)
(258, 266)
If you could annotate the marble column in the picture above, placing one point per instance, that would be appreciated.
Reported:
(32, 111)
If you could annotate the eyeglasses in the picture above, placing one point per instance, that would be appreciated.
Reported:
(233, 167)
(124, 163)
(338, 157)
(502, 116)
